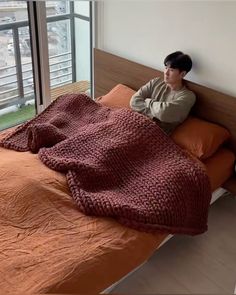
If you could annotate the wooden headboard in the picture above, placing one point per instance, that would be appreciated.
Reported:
(211, 105)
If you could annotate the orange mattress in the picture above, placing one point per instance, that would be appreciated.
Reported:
(48, 246)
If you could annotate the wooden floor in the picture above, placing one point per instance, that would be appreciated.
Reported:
(201, 264)
(76, 87)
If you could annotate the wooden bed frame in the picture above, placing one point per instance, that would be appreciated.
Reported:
(211, 105)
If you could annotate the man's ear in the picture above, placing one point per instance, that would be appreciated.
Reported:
(183, 74)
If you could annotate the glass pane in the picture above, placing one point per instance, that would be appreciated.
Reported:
(17, 99)
(8, 78)
(57, 7)
(59, 46)
(11, 11)
(82, 45)
(69, 69)
(26, 62)
(82, 7)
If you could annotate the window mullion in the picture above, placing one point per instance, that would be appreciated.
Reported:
(40, 56)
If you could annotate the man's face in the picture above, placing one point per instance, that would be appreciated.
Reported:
(173, 76)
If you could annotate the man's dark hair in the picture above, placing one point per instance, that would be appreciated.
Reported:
(178, 60)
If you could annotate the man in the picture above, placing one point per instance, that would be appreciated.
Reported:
(168, 102)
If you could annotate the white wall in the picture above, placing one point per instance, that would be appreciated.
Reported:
(146, 31)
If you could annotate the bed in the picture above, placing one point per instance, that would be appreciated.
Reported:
(47, 245)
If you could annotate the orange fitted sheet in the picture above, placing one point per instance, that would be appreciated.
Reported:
(48, 246)
(220, 167)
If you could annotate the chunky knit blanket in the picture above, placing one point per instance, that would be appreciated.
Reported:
(119, 164)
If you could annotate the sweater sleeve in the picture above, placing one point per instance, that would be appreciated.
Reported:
(174, 111)
(137, 102)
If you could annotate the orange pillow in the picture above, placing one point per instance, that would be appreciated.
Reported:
(200, 137)
(119, 96)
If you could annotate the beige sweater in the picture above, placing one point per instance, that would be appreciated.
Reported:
(157, 101)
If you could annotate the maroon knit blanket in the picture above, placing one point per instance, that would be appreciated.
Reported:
(118, 164)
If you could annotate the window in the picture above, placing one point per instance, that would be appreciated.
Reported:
(61, 58)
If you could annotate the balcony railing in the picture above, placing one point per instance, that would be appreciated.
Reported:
(16, 81)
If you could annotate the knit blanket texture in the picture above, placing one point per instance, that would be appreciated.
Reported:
(118, 163)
